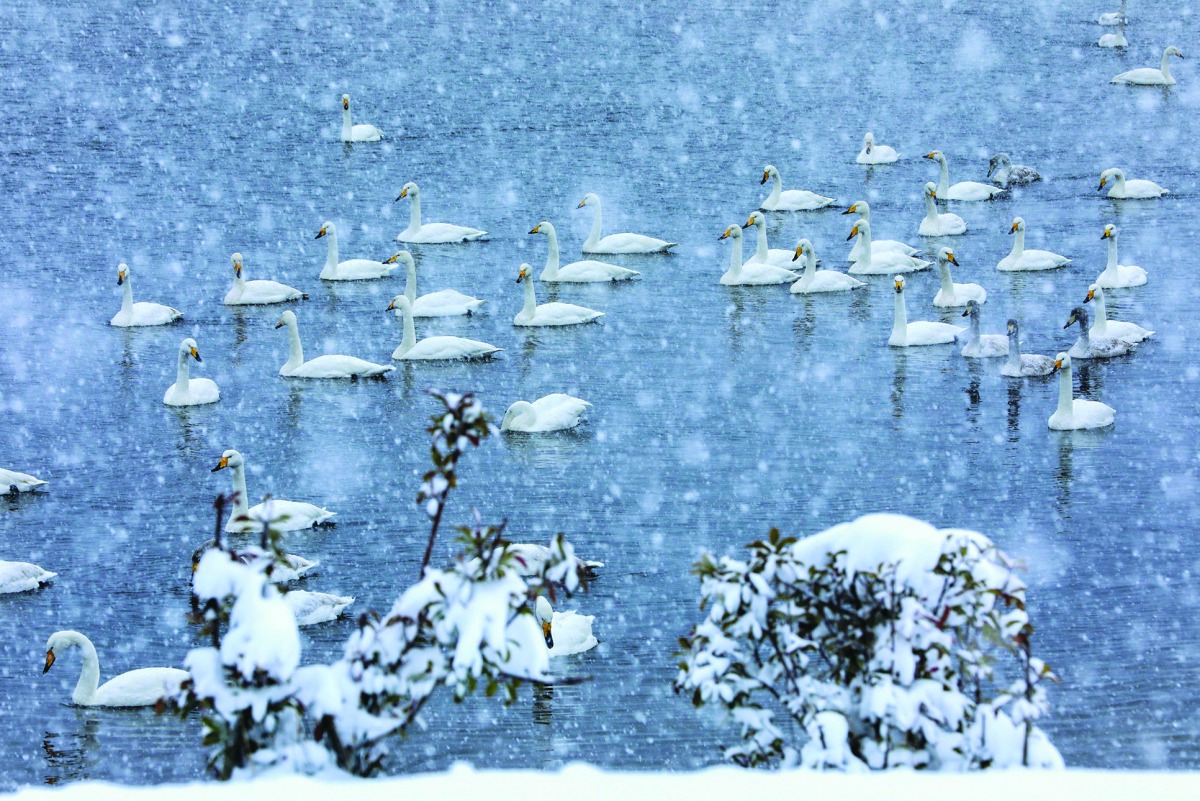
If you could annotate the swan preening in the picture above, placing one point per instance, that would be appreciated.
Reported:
(142, 687)
(21, 482)
(872, 153)
(133, 314)
(1105, 328)
(259, 292)
(282, 515)
(753, 273)
(907, 335)
(187, 391)
(1076, 413)
(22, 577)
(548, 314)
(764, 254)
(578, 272)
(950, 294)
(863, 209)
(812, 281)
(310, 608)
(982, 346)
(938, 224)
(882, 263)
(331, 366)
(440, 348)
(1118, 276)
(963, 190)
(1131, 189)
(617, 243)
(431, 233)
(443, 303)
(1003, 172)
(1021, 365)
(351, 269)
(1093, 347)
(357, 133)
(566, 633)
(555, 412)
(1021, 259)
(792, 199)
(1148, 76)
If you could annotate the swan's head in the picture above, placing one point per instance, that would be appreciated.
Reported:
(1111, 174)
(1012, 328)
(1110, 232)
(861, 227)
(409, 190)
(287, 318)
(188, 346)
(400, 304)
(1062, 361)
(972, 309)
(898, 284)
(327, 229)
(60, 641)
(732, 232)
(345, 102)
(997, 161)
(1172, 51)
(803, 248)
(516, 410)
(524, 272)
(936, 155)
(930, 189)
(590, 199)
(543, 228)
(755, 218)
(861, 207)
(122, 273)
(1018, 224)
(236, 258)
(401, 256)
(868, 141)
(1078, 315)
(229, 458)
(769, 172)
(545, 615)
(946, 254)
(1093, 291)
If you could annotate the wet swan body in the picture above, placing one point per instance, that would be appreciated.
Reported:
(283, 515)
(357, 133)
(813, 281)
(351, 269)
(431, 233)
(259, 292)
(1073, 413)
(1148, 76)
(142, 687)
(549, 314)
(330, 366)
(187, 391)
(132, 314)
(439, 348)
(907, 335)
(617, 243)
(556, 412)
(963, 190)
(1020, 259)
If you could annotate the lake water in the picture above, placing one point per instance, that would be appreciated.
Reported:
(171, 137)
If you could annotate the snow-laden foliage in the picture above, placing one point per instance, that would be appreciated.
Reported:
(886, 642)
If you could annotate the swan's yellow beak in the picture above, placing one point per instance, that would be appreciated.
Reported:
(899, 285)
(582, 203)
(345, 103)
(547, 634)
(1013, 230)
(950, 258)
(237, 269)
(392, 305)
(929, 155)
(1103, 181)
(49, 661)
(120, 277)
(1057, 365)
(766, 177)
(221, 465)
(853, 233)
(537, 229)
(749, 222)
(522, 275)
(851, 210)
(403, 193)
(1091, 295)
(321, 233)
(799, 250)
(728, 233)
(196, 355)
(391, 259)
(1106, 234)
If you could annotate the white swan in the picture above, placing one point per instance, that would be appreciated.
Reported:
(1074, 413)
(555, 412)
(1021, 259)
(440, 348)
(1118, 276)
(283, 515)
(908, 335)
(982, 346)
(1113, 39)
(1112, 17)
(752, 273)
(22, 482)
(443, 303)
(952, 295)
(310, 608)
(824, 281)
(351, 269)
(531, 556)
(287, 567)
(617, 243)
(963, 190)
(863, 210)
(330, 366)
(872, 153)
(938, 224)
(1148, 76)
(1132, 189)
(357, 133)
(432, 233)
(1021, 365)
(549, 314)
(1003, 172)
(888, 261)
(259, 292)
(142, 687)
(190, 391)
(1091, 347)
(587, 271)
(22, 577)
(138, 314)
(763, 254)
(566, 633)
(792, 199)
(1104, 327)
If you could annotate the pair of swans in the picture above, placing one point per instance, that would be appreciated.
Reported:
(812, 281)
(282, 515)
(882, 263)
(1131, 189)
(261, 292)
(22, 577)
(357, 133)
(872, 153)
(443, 303)
(863, 209)
(579, 272)
(752, 273)
(351, 269)
(939, 224)
(1118, 276)
(437, 348)
(1020, 259)
(1092, 346)
(1104, 327)
(1148, 76)
(1023, 365)
(951, 295)
(908, 335)
(431, 233)
(11, 480)
(1003, 172)
(617, 243)
(1073, 413)
(566, 633)
(963, 190)
(132, 314)
(328, 366)
(187, 391)
(142, 687)
(548, 314)
(982, 346)
(555, 412)
(792, 199)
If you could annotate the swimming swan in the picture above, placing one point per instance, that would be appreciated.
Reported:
(438, 348)
(432, 233)
(888, 261)
(351, 269)
(763, 254)
(310, 608)
(982, 346)
(22, 577)
(1148, 76)
(951, 295)
(188, 391)
(1090, 347)
(872, 153)
(23, 482)
(792, 199)
(1113, 39)
(142, 687)
(549, 314)
(138, 314)
(566, 633)
(1022, 365)
(936, 224)
(1104, 327)
(357, 133)
(1118, 276)
(617, 243)
(588, 271)
(330, 366)
(1113, 17)
(555, 412)
(752, 273)
(1133, 189)
(1074, 413)
(877, 245)
(283, 515)
(443, 303)
(963, 190)
(259, 292)
(812, 281)
(1021, 259)
(907, 335)
(1003, 172)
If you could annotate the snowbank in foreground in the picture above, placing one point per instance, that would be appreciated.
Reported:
(583, 782)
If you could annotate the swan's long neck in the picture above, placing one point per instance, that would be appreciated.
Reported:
(551, 254)
(900, 325)
(931, 212)
(762, 251)
(414, 213)
(295, 349)
(975, 328)
(735, 255)
(331, 257)
(530, 307)
(127, 295)
(1066, 396)
(89, 675)
(594, 236)
(1014, 349)
(810, 265)
(1018, 244)
(410, 283)
(239, 284)
(241, 502)
(1166, 71)
(1101, 310)
(1111, 267)
(346, 124)
(1084, 333)
(410, 331)
(943, 177)
(182, 373)
(864, 245)
(776, 190)
(947, 280)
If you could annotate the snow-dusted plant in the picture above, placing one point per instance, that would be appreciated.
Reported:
(884, 640)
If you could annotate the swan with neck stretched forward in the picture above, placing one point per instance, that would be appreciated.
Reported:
(882, 263)
(1002, 171)
(549, 314)
(1131, 189)
(872, 153)
(1093, 347)
(813, 281)
(939, 224)
(1118, 276)
(863, 209)
(351, 269)
(1021, 259)
(142, 687)
(1074, 413)
(555, 412)
(329, 366)
(443, 303)
(982, 346)
(357, 133)
(259, 292)
(617, 243)
(1148, 76)
(1023, 365)
(187, 391)
(440, 348)
(1106, 328)
(587, 271)
(763, 254)
(952, 295)
(142, 313)
(22, 577)
(21, 482)
(922, 332)
(282, 515)
(566, 633)
(431, 233)
(753, 273)
(963, 190)
(792, 199)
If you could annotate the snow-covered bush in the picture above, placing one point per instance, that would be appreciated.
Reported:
(887, 642)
